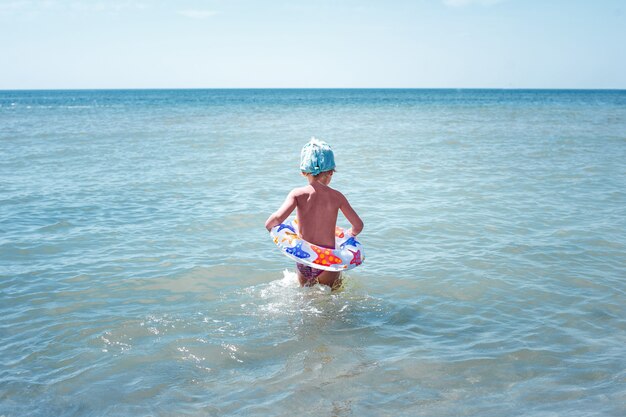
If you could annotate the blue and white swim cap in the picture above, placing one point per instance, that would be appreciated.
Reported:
(316, 157)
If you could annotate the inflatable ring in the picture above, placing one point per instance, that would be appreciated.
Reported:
(348, 252)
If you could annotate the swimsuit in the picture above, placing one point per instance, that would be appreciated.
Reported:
(310, 274)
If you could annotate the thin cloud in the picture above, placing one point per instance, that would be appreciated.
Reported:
(38, 6)
(13, 6)
(197, 14)
(462, 3)
(109, 6)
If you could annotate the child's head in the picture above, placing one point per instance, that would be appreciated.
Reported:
(316, 157)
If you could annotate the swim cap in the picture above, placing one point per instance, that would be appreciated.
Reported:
(316, 157)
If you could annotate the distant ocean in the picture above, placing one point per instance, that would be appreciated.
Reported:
(137, 279)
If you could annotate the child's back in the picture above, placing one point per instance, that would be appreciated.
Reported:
(317, 208)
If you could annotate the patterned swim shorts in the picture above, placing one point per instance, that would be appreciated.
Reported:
(310, 274)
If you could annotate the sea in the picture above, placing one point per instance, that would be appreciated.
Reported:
(137, 278)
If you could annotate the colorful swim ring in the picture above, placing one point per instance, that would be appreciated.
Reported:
(348, 252)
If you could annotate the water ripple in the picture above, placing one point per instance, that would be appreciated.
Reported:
(136, 277)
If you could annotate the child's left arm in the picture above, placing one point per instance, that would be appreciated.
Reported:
(282, 213)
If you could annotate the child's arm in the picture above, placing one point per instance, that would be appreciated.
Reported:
(353, 218)
(282, 213)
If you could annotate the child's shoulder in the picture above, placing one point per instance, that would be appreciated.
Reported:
(307, 189)
(336, 195)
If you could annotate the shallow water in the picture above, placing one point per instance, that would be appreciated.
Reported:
(136, 277)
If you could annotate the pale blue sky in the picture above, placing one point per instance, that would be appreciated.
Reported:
(293, 43)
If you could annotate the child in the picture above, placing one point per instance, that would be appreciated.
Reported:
(317, 207)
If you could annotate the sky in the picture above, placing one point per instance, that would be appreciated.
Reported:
(72, 44)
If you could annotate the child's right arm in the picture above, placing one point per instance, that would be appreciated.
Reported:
(353, 218)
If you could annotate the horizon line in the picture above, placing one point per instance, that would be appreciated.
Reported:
(314, 88)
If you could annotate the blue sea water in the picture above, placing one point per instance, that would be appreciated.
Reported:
(136, 277)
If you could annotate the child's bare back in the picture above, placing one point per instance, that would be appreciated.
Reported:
(317, 207)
